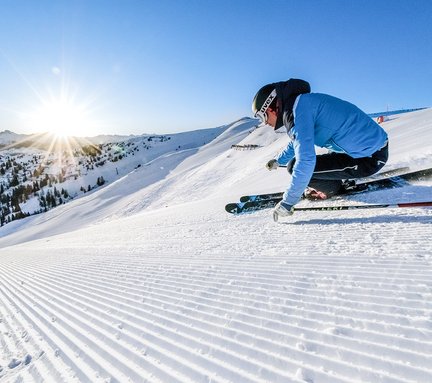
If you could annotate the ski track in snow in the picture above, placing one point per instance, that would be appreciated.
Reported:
(162, 308)
(188, 293)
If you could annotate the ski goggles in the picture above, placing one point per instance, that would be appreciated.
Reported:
(262, 112)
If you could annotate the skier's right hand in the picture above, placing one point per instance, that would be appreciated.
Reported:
(272, 165)
(282, 209)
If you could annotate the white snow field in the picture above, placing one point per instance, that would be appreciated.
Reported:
(150, 280)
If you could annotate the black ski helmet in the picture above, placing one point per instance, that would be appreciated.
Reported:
(285, 94)
(262, 99)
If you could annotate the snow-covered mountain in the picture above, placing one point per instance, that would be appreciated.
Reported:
(7, 137)
(147, 278)
(44, 171)
(11, 139)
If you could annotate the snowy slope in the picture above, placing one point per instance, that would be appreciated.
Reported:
(150, 280)
(129, 194)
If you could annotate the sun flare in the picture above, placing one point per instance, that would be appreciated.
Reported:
(63, 118)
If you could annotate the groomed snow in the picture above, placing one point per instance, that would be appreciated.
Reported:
(150, 280)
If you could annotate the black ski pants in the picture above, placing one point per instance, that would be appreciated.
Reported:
(332, 169)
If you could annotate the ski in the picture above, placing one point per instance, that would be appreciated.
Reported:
(266, 201)
(260, 197)
(370, 206)
(246, 207)
(238, 208)
(390, 178)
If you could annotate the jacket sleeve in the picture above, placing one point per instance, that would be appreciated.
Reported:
(286, 155)
(302, 134)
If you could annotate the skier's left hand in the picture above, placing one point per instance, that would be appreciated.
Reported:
(282, 209)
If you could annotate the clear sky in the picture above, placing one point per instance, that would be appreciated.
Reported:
(137, 66)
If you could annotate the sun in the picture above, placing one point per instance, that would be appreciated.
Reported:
(63, 118)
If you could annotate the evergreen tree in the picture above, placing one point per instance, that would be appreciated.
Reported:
(15, 181)
(65, 193)
(100, 181)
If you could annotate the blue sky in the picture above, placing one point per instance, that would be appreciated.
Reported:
(135, 67)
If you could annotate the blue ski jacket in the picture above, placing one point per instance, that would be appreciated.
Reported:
(327, 122)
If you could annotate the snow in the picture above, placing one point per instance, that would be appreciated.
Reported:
(149, 279)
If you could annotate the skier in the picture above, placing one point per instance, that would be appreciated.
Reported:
(358, 146)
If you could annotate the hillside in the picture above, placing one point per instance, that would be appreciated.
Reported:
(35, 180)
(148, 279)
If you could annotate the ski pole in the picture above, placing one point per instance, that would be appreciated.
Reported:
(375, 206)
